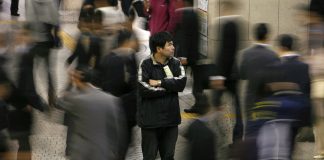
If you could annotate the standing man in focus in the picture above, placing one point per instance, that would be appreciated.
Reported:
(160, 78)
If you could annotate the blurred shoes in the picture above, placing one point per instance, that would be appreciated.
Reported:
(319, 157)
(15, 14)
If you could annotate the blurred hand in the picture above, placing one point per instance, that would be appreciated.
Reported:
(217, 84)
(183, 61)
(87, 6)
(28, 108)
(154, 83)
(146, 5)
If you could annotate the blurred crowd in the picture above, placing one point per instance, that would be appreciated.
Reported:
(133, 57)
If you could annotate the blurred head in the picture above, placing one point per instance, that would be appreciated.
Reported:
(125, 38)
(317, 6)
(132, 14)
(86, 17)
(112, 2)
(286, 42)
(261, 32)
(97, 20)
(162, 43)
(81, 76)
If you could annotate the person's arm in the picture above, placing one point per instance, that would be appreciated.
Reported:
(146, 89)
(75, 53)
(175, 84)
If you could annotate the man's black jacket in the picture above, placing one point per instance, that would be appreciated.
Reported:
(159, 106)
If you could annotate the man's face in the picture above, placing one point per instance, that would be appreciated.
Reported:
(168, 49)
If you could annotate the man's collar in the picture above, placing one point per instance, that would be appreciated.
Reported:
(158, 63)
(262, 44)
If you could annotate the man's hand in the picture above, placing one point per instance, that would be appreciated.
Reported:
(147, 5)
(183, 60)
(155, 83)
(217, 84)
(87, 6)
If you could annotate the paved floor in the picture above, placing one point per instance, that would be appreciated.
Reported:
(48, 139)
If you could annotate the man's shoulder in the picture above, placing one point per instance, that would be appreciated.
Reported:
(146, 61)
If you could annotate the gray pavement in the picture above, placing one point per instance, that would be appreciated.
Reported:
(48, 139)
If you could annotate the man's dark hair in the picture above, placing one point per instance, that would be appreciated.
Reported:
(124, 35)
(159, 40)
(287, 41)
(261, 31)
(113, 2)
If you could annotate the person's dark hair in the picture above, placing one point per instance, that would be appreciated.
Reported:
(86, 73)
(132, 14)
(159, 40)
(287, 41)
(261, 31)
(317, 6)
(113, 2)
(123, 35)
(189, 1)
(86, 15)
(139, 8)
(97, 17)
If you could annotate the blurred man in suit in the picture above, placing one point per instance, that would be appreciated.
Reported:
(97, 128)
(282, 102)
(186, 41)
(255, 59)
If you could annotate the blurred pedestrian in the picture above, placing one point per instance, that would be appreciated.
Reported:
(255, 58)
(97, 122)
(225, 69)
(44, 18)
(282, 105)
(118, 74)
(186, 41)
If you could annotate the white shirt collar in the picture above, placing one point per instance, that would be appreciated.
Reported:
(262, 44)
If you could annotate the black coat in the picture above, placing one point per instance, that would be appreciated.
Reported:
(24, 93)
(159, 106)
(186, 37)
(228, 48)
(118, 76)
(83, 54)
